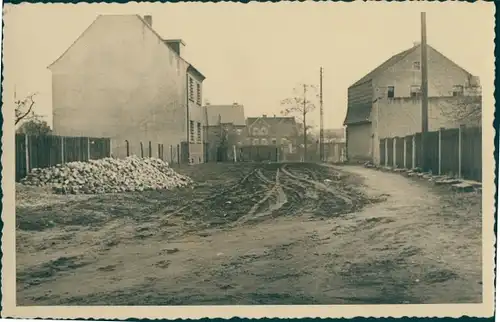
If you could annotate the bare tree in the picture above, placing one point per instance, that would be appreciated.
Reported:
(300, 105)
(24, 108)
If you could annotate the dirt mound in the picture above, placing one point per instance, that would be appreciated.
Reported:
(108, 175)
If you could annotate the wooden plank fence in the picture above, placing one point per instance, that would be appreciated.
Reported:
(453, 152)
(49, 150)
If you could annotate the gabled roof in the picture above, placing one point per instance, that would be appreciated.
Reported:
(397, 58)
(277, 124)
(384, 66)
(360, 113)
(146, 24)
(234, 114)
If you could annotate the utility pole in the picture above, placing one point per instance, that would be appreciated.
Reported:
(321, 147)
(424, 89)
(305, 127)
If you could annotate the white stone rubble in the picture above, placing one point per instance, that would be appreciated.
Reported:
(108, 175)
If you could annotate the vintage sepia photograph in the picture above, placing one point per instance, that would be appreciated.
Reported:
(254, 160)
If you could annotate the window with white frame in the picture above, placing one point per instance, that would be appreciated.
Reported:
(255, 142)
(263, 141)
(255, 131)
(198, 132)
(416, 65)
(415, 91)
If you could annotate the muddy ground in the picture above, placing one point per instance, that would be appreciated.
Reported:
(253, 234)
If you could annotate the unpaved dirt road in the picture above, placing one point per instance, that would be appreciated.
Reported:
(254, 234)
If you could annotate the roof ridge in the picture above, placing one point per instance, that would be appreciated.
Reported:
(396, 58)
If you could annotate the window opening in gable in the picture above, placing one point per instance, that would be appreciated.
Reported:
(390, 91)
(415, 91)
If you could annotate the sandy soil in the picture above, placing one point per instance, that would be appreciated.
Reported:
(253, 234)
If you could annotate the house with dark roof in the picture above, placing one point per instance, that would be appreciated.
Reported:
(386, 102)
(224, 128)
(121, 79)
(272, 130)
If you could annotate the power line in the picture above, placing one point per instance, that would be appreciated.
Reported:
(424, 89)
(321, 138)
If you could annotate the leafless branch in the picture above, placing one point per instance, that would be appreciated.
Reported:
(24, 108)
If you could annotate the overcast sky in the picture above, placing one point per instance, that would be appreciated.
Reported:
(255, 54)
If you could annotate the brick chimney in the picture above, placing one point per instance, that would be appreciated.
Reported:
(176, 45)
(149, 20)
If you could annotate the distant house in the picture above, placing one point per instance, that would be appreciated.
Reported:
(334, 135)
(121, 79)
(386, 102)
(225, 128)
(273, 130)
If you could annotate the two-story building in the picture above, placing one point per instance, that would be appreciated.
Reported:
(273, 130)
(120, 79)
(387, 101)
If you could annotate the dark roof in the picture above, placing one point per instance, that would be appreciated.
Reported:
(233, 113)
(277, 124)
(357, 114)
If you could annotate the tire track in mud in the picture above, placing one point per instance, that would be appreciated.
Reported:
(331, 197)
(321, 186)
(272, 201)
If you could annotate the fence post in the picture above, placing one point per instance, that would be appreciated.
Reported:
(88, 149)
(171, 154)
(159, 151)
(394, 155)
(150, 152)
(128, 148)
(62, 149)
(142, 150)
(178, 155)
(460, 138)
(386, 152)
(404, 152)
(413, 151)
(440, 148)
(27, 153)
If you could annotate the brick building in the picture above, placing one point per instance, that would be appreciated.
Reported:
(120, 79)
(386, 102)
(273, 130)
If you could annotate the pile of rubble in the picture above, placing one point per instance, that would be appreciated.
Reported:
(108, 175)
